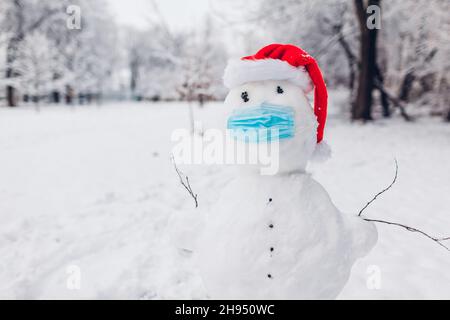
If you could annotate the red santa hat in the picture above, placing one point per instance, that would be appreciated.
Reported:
(283, 62)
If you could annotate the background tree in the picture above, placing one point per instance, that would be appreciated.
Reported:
(21, 17)
(405, 69)
(362, 107)
(34, 65)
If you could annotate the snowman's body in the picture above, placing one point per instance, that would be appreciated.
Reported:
(278, 236)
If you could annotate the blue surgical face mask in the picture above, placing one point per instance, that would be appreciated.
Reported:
(264, 123)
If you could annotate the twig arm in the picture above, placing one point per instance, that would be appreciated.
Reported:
(382, 191)
(411, 229)
(408, 228)
(184, 180)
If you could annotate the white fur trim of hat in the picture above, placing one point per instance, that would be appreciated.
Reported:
(239, 72)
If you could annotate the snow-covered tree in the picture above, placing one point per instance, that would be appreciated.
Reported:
(153, 58)
(34, 64)
(95, 59)
(168, 65)
(202, 64)
(415, 48)
(411, 52)
(83, 60)
(18, 19)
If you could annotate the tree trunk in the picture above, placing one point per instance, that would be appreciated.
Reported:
(56, 97)
(384, 99)
(11, 53)
(11, 92)
(385, 104)
(406, 86)
(69, 95)
(362, 107)
(11, 96)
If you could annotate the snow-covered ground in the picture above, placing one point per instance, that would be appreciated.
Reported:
(91, 189)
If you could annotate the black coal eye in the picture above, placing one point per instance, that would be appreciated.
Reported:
(280, 90)
(244, 96)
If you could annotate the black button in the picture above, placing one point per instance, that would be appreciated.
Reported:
(270, 199)
(269, 276)
(244, 96)
(271, 225)
(271, 249)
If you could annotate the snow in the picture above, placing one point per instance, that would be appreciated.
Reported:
(94, 187)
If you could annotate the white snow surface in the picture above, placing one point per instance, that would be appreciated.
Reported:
(94, 187)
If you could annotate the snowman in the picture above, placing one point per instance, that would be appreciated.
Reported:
(278, 236)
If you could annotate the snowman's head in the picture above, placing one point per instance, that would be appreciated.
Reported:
(267, 93)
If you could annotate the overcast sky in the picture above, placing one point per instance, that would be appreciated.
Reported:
(187, 15)
(179, 14)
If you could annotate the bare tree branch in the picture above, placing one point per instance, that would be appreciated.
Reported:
(162, 20)
(184, 180)
(42, 19)
(382, 191)
(394, 100)
(438, 240)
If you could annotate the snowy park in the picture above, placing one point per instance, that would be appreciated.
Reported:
(224, 150)
(94, 187)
